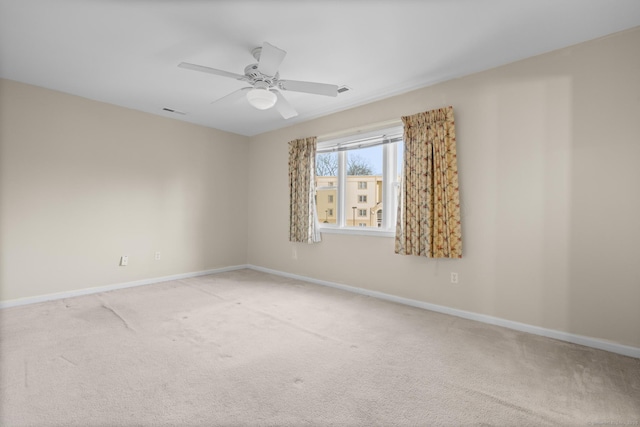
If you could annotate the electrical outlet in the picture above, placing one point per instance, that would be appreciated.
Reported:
(124, 260)
(157, 255)
(454, 277)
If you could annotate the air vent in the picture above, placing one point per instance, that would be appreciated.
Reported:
(342, 89)
(171, 110)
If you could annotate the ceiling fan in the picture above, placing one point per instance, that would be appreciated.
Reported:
(265, 82)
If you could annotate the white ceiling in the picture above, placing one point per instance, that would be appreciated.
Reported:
(126, 52)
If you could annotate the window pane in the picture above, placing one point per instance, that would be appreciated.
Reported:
(326, 177)
(364, 186)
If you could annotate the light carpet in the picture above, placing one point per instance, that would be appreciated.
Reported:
(245, 348)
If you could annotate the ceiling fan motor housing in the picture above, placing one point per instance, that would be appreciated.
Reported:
(251, 71)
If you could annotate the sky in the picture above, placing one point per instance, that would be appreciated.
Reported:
(373, 155)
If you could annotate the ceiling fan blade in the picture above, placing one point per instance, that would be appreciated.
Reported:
(284, 108)
(234, 96)
(270, 59)
(309, 87)
(212, 71)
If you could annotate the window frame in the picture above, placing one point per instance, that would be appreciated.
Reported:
(388, 137)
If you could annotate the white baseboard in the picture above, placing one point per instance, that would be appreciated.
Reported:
(113, 287)
(523, 327)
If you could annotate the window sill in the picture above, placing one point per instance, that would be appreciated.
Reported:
(358, 231)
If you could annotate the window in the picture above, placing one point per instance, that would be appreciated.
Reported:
(359, 176)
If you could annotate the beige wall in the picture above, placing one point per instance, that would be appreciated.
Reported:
(549, 159)
(83, 183)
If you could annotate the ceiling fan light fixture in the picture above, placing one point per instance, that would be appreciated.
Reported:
(262, 99)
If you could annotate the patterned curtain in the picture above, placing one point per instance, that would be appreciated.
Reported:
(429, 209)
(303, 218)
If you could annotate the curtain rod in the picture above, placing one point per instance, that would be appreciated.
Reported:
(360, 129)
(361, 143)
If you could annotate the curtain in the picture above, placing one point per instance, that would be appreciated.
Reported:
(303, 218)
(429, 210)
